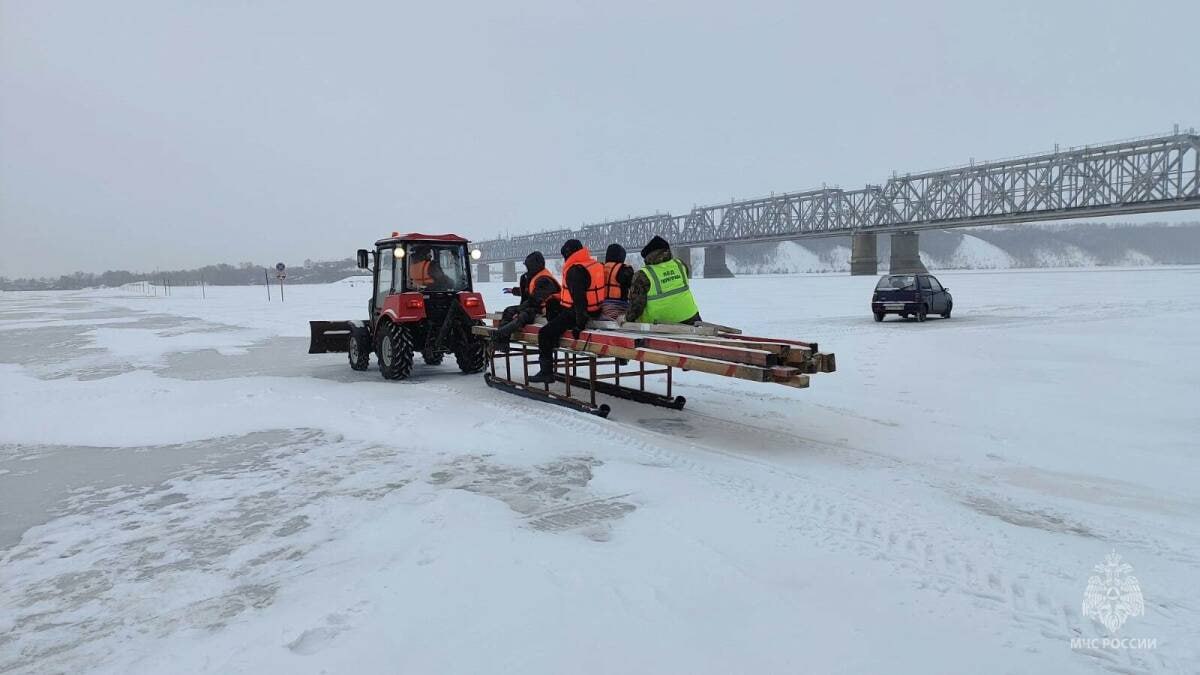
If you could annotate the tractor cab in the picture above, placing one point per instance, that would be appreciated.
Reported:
(422, 300)
(429, 265)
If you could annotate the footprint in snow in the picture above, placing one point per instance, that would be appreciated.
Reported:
(316, 639)
(313, 640)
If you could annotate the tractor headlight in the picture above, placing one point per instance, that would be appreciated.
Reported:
(476, 254)
(398, 252)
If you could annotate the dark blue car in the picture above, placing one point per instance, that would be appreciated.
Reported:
(911, 295)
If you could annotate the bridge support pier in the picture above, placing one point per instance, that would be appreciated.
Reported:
(864, 256)
(483, 273)
(510, 271)
(682, 254)
(714, 263)
(906, 254)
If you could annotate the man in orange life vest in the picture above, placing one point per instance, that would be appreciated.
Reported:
(424, 272)
(617, 277)
(539, 293)
(583, 291)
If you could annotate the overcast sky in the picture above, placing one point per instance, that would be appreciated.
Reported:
(136, 135)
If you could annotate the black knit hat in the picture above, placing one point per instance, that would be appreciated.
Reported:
(535, 262)
(656, 244)
(570, 247)
(615, 253)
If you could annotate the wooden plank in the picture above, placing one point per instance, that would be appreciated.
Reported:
(810, 345)
(777, 348)
(703, 365)
(719, 327)
(798, 381)
(789, 376)
(626, 341)
(660, 328)
(784, 372)
(754, 357)
(789, 352)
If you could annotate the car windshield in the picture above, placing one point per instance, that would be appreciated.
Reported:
(899, 282)
(436, 267)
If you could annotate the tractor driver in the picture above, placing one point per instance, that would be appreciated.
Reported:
(424, 272)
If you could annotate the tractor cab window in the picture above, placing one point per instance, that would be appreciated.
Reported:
(436, 267)
(385, 261)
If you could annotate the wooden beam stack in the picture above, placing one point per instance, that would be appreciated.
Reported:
(709, 348)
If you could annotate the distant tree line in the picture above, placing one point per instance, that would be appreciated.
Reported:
(243, 274)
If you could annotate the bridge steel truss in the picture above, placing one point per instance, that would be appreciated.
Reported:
(1160, 173)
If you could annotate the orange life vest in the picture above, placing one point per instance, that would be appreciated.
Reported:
(533, 282)
(595, 291)
(418, 273)
(613, 289)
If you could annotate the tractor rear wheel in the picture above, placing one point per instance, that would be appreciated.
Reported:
(359, 352)
(395, 351)
(432, 358)
(471, 354)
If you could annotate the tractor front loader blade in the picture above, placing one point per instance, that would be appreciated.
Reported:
(329, 336)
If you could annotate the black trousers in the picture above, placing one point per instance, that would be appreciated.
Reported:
(516, 317)
(552, 332)
(512, 320)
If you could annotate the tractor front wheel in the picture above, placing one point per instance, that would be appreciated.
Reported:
(359, 352)
(395, 351)
(471, 354)
(432, 358)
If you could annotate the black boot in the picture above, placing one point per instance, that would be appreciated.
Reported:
(545, 373)
(503, 333)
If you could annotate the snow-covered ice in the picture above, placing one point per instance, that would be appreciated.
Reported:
(184, 489)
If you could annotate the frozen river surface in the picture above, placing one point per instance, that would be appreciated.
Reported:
(184, 489)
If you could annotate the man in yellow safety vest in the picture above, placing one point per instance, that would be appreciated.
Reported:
(660, 292)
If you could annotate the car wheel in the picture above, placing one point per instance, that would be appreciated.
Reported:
(878, 316)
(921, 312)
(949, 308)
(903, 315)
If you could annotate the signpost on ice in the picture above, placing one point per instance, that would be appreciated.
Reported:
(280, 274)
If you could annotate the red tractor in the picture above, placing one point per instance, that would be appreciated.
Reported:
(422, 301)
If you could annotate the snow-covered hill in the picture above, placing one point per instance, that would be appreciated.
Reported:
(1072, 245)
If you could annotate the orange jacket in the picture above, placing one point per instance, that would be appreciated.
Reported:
(613, 288)
(533, 284)
(596, 288)
(418, 273)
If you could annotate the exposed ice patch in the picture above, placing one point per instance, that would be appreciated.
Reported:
(551, 496)
(195, 550)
